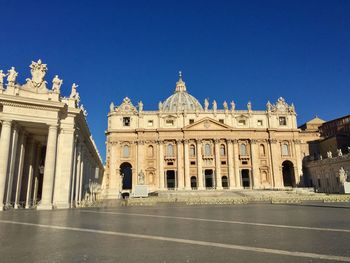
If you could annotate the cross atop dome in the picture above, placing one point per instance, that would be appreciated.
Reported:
(180, 84)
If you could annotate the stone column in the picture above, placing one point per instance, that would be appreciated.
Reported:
(74, 172)
(217, 165)
(140, 158)
(12, 164)
(236, 164)
(77, 175)
(199, 165)
(49, 170)
(4, 158)
(82, 175)
(161, 165)
(30, 172)
(299, 163)
(22, 143)
(187, 166)
(36, 174)
(114, 173)
(275, 154)
(255, 164)
(180, 166)
(230, 164)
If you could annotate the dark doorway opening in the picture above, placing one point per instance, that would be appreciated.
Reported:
(193, 182)
(170, 179)
(245, 178)
(126, 173)
(224, 182)
(209, 176)
(288, 174)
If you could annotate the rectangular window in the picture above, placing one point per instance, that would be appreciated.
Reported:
(193, 163)
(150, 123)
(282, 121)
(260, 123)
(223, 162)
(126, 121)
(221, 121)
(241, 122)
(170, 163)
(169, 122)
(191, 121)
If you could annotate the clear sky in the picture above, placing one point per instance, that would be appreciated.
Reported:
(240, 50)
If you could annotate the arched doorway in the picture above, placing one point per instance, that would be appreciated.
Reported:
(245, 178)
(170, 179)
(288, 174)
(193, 182)
(126, 173)
(224, 182)
(209, 183)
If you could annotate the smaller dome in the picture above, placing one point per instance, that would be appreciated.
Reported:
(181, 100)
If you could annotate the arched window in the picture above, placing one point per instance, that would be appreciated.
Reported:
(170, 150)
(207, 149)
(262, 150)
(222, 150)
(126, 151)
(150, 151)
(243, 149)
(285, 149)
(192, 150)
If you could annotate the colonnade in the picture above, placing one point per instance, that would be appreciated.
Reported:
(32, 176)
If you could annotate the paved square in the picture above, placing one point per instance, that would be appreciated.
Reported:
(313, 232)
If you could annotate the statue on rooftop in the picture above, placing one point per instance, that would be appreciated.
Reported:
(111, 107)
(2, 76)
(225, 105)
(339, 152)
(56, 84)
(206, 104)
(160, 106)
(233, 105)
(215, 106)
(11, 76)
(249, 106)
(268, 106)
(329, 154)
(140, 106)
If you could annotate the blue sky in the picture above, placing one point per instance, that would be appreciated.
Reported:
(240, 50)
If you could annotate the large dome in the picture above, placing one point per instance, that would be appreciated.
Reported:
(181, 100)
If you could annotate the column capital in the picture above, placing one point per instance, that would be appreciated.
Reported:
(6, 123)
(216, 141)
(229, 141)
(273, 140)
(140, 142)
(160, 142)
(186, 141)
(179, 141)
(253, 141)
(53, 126)
(235, 141)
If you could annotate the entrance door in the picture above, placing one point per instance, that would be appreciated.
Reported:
(170, 179)
(209, 183)
(126, 172)
(245, 178)
(288, 174)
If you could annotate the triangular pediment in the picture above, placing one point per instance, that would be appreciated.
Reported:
(207, 124)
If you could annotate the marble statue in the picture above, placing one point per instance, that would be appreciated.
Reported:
(268, 106)
(2, 75)
(342, 175)
(249, 106)
(56, 84)
(111, 107)
(339, 152)
(215, 106)
(83, 110)
(329, 154)
(74, 93)
(141, 178)
(160, 106)
(233, 105)
(206, 104)
(140, 106)
(38, 71)
(225, 105)
(11, 76)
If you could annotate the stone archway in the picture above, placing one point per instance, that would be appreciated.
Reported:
(288, 174)
(126, 172)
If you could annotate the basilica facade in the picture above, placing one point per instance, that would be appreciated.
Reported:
(185, 145)
(48, 158)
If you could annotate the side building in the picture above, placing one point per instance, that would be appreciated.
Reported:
(328, 165)
(48, 158)
(186, 146)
